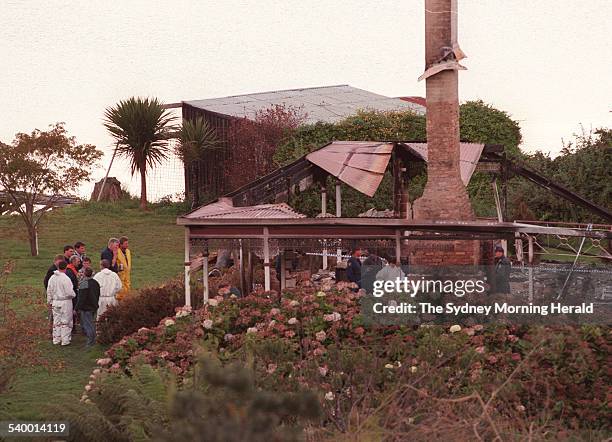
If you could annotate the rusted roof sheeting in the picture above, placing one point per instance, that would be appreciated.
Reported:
(224, 209)
(360, 164)
(469, 155)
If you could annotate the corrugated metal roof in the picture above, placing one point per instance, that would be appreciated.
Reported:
(224, 209)
(328, 103)
(469, 154)
(360, 164)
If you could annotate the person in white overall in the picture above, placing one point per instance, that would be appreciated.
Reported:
(110, 284)
(59, 294)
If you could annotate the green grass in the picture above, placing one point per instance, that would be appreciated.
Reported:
(156, 243)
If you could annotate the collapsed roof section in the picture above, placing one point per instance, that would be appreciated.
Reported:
(359, 164)
(224, 209)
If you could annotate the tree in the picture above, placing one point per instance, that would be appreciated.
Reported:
(37, 168)
(479, 122)
(196, 138)
(142, 129)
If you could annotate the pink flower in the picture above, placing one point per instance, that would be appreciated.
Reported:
(478, 327)
(87, 387)
(323, 370)
(289, 334)
(104, 361)
(318, 351)
(332, 317)
(274, 311)
(320, 336)
(271, 368)
(516, 356)
(208, 324)
(492, 359)
(480, 350)
(359, 331)
(293, 321)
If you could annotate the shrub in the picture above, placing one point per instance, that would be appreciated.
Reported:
(221, 404)
(145, 309)
(395, 380)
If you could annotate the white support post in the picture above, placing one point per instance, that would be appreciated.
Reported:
(324, 212)
(530, 252)
(266, 248)
(242, 282)
(205, 273)
(338, 215)
(187, 268)
(500, 216)
(283, 270)
(518, 245)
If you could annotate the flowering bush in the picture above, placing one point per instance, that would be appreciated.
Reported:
(316, 339)
(145, 309)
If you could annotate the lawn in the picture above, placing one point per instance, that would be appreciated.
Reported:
(157, 251)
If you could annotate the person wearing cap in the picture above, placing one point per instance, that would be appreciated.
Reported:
(502, 271)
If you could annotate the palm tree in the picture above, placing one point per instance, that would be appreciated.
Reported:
(142, 130)
(195, 139)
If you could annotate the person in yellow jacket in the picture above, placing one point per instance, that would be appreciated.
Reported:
(124, 266)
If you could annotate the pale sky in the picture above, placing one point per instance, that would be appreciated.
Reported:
(546, 62)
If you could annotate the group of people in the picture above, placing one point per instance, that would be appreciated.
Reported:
(392, 271)
(76, 293)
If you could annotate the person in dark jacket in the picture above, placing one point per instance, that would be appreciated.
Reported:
(87, 304)
(370, 267)
(52, 269)
(79, 250)
(110, 254)
(353, 267)
(68, 252)
(502, 271)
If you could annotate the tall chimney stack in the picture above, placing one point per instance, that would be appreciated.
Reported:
(444, 196)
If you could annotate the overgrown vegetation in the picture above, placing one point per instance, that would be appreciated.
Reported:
(376, 383)
(221, 403)
(254, 141)
(584, 166)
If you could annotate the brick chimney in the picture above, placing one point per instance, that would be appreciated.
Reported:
(444, 196)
